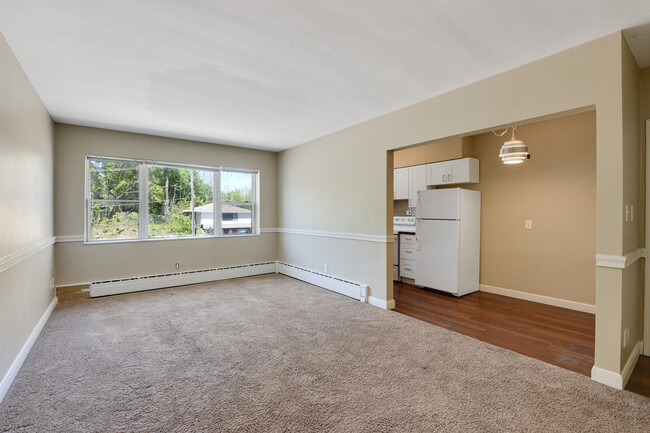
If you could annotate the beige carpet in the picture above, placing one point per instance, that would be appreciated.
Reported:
(271, 353)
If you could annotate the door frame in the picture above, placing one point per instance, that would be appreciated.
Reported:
(646, 297)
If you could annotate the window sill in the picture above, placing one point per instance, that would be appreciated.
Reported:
(121, 241)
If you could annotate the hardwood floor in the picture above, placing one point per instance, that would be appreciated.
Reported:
(555, 335)
(640, 380)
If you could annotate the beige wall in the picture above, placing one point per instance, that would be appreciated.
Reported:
(556, 189)
(339, 183)
(80, 263)
(442, 150)
(644, 114)
(632, 313)
(25, 207)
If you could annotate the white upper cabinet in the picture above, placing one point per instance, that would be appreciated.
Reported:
(401, 183)
(417, 182)
(463, 170)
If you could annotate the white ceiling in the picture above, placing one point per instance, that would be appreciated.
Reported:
(274, 74)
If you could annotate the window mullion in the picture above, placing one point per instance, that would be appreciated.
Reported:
(143, 212)
(217, 204)
(87, 194)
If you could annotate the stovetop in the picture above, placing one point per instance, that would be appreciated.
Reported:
(403, 224)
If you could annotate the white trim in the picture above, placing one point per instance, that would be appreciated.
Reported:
(631, 362)
(619, 262)
(20, 358)
(351, 236)
(137, 284)
(16, 257)
(73, 238)
(80, 238)
(386, 305)
(344, 287)
(646, 297)
(571, 305)
(616, 380)
(607, 377)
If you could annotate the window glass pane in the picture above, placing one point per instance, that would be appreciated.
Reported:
(180, 202)
(113, 180)
(236, 187)
(113, 221)
(236, 220)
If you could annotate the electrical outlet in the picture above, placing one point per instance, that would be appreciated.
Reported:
(326, 268)
(52, 286)
(528, 225)
(177, 265)
(626, 337)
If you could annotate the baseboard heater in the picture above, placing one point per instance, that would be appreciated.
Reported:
(149, 282)
(338, 285)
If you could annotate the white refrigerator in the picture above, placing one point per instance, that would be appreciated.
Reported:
(448, 233)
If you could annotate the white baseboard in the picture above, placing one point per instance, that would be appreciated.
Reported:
(386, 305)
(616, 380)
(571, 305)
(137, 284)
(9, 377)
(631, 362)
(348, 288)
(607, 377)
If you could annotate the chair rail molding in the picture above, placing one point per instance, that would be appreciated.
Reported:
(16, 257)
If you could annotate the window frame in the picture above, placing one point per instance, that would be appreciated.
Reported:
(143, 199)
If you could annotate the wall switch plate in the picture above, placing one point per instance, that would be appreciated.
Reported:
(626, 337)
(528, 225)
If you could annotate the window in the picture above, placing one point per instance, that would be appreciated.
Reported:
(136, 200)
(236, 202)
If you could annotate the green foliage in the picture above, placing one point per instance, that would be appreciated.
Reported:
(169, 187)
(177, 224)
(236, 196)
(121, 225)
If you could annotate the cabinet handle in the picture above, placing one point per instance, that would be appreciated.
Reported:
(407, 251)
(407, 269)
(443, 177)
(449, 178)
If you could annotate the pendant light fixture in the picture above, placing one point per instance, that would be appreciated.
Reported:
(513, 151)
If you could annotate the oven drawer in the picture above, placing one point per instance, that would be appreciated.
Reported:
(407, 268)
(407, 239)
(407, 251)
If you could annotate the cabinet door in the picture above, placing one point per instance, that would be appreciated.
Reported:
(436, 173)
(458, 170)
(401, 183)
(463, 170)
(417, 182)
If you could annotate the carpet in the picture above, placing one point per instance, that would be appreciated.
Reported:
(271, 353)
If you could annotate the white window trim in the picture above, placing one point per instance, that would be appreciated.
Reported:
(143, 201)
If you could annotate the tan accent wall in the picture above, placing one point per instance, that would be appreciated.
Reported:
(26, 160)
(79, 263)
(556, 189)
(338, 182)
